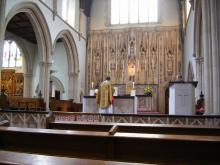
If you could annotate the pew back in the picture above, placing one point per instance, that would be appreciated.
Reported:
(121, 146)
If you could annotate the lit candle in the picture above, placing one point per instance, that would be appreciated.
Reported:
(133, 84)
(92, 85)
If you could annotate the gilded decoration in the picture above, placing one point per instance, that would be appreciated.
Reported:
(148, 56)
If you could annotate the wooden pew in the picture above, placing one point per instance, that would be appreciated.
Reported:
(135, 128)
(60, 105)
(18, 102)
(15, 158)
(121, 146)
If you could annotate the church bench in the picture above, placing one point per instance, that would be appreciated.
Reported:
(18, 102)
(121, 146)
(135, 128)
(15, 158)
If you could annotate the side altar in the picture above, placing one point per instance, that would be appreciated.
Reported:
(125, 103)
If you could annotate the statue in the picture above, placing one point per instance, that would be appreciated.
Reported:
(200, 105)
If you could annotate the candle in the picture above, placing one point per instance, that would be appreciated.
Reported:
(133, 84)
(92, 85)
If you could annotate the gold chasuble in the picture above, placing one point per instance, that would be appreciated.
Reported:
(105, 94)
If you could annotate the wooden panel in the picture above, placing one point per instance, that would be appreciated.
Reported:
(26, 103)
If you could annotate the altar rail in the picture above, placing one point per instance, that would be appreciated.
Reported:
(24, 118)
(37, 119)
(206, 121)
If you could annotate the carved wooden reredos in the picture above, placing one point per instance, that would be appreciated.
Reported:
(148, 55)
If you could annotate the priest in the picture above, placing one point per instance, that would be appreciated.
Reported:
(104, 96)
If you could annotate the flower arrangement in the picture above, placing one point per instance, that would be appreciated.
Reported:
(148, 90)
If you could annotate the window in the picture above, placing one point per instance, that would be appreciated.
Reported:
(188, 7)
(11, 55)
(134, 11)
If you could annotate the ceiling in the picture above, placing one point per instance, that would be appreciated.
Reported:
(21, 26)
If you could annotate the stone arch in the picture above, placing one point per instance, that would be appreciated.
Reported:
(71, 50)
(39, 25)
(55, 79)
(43, 38)
(73, 62)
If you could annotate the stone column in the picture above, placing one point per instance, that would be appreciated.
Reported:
(215, 57)
(207, 56)
(44, 81)
(28, 85)
(73, 87)
(199, 76)
(2, 29)
(211, 57)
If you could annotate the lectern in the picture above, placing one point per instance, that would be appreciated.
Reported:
(182, 98)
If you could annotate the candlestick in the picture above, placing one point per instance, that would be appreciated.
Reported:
(92, 85)
(133, 84)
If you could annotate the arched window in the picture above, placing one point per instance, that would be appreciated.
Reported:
(134, 11)
(12, 56)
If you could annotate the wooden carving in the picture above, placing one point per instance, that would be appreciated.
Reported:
(153, 54)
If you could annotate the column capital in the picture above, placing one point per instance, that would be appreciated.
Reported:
(28, 74)
(43, 63)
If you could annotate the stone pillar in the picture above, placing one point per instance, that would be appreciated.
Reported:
(215, 57)
(207, 56)
(45, 81)
(81, 21)
(199, 76)
(73, 87)
(2, 31)
(28, 85)
(211, 57)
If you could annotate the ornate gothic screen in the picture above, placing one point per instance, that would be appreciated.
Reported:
(134, 11)
(12, 56)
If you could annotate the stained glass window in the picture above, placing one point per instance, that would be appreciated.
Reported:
(12, 56)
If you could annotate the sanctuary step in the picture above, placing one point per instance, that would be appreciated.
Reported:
(117, 146)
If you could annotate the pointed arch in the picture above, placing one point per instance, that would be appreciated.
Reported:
(73, 62)
(39, 24)
(60, 84)
(71, 50)
(43, 37)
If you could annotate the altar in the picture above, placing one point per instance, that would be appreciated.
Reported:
(122, 105)
(135, 103)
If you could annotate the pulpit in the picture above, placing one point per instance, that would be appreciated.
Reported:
(182, 98)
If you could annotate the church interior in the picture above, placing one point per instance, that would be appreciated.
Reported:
(163, 61)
